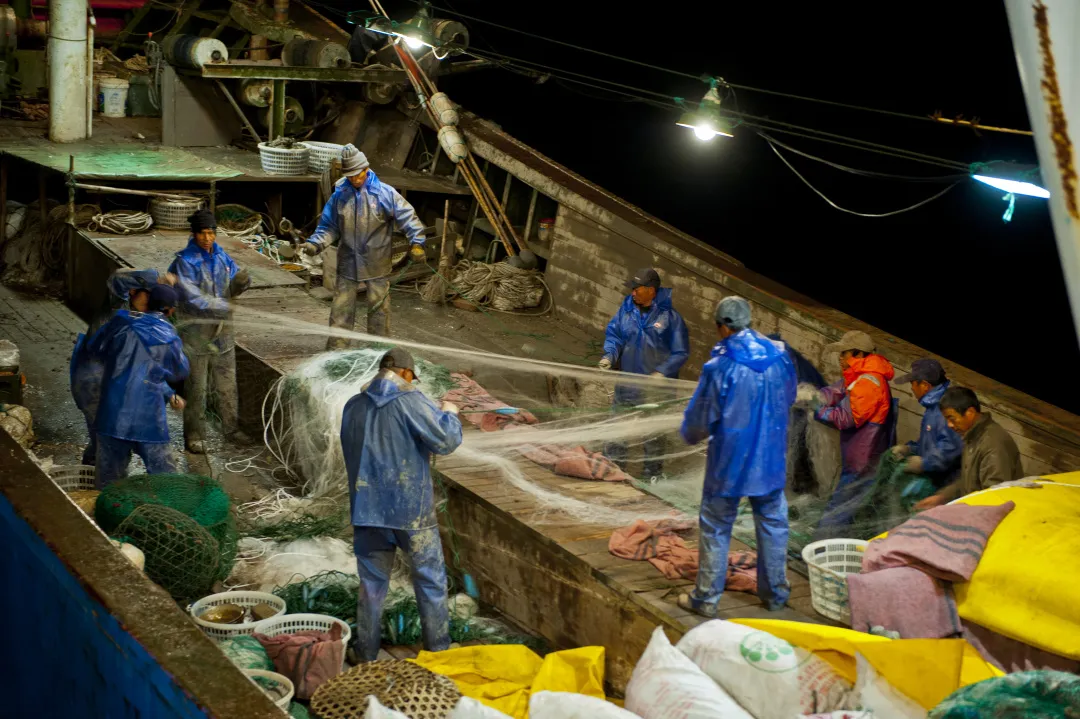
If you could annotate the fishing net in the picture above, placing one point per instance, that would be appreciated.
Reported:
(198, 497)
(246, 652)
(1039, 694)
(181, 555)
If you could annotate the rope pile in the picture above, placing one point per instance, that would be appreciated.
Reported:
(121, 222)
(500, 286)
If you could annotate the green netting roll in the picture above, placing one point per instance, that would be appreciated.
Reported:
(193, 495)
(181, 555)
(1039, 694)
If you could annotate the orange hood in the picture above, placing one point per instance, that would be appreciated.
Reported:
(870, 364)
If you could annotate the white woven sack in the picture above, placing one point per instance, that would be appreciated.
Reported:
(567, 705)
(667, 685)
(769, 677)
(469, 708)
(880, 698)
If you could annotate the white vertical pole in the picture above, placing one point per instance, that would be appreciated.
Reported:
(67, 70)
(1046, 38)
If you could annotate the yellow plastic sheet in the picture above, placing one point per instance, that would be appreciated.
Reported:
(926, 670)
(504, 676)
(1025, 585)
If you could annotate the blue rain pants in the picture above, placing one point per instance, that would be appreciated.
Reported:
(114, 455)
(771, 531)
(374, 548)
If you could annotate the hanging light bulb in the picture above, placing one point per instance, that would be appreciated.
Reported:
(706, 121)
(1016, 187)
(414, 43)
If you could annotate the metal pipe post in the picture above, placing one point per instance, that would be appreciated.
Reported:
(67, 70)
(277, 116)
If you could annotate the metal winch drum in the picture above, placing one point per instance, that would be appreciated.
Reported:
(315, 53)
(192, 52)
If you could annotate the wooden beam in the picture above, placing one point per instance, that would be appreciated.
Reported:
(246, 69)
(181, 21)
(130, 27)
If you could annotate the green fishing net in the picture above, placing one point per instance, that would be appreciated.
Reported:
(181, 555)
(299, 524)
(195, 496)
(246, 652)
(329, 593)
(1039, 694)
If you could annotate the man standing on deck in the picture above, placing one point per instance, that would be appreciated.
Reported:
(362, 215)
(648, 337)
(936, 454)
(208, 279)
(741, 404)
(388, 433)
(860, 405)
(128, 289)
(990, 455)
(142, 354)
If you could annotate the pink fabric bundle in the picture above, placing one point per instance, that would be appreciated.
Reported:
(478, 407)
(308, 658)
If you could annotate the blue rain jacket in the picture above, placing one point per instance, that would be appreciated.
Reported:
(85, 371)
(742, 403)
(939, 447)
(142, 353)
(645, 342)
(205, 284)
(363, 222)
(388, 433)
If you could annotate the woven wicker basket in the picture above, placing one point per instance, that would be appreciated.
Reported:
(403, 686)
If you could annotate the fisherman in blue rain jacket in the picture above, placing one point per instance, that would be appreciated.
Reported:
(142, 354)
(388, 433)
(741, 404)
(362, 215)
(936, 454)
(648, 337)
(208, 280)
(127, 289)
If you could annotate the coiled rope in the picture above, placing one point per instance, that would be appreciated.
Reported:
(497, 286)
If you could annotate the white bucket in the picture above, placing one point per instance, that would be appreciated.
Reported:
(114, 92)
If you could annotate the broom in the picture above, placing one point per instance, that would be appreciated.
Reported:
(436, 287)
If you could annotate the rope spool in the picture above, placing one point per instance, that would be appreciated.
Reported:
(192, 51)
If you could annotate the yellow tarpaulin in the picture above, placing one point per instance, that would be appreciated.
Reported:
(926, 670)
(504, 676)
(1024, 587)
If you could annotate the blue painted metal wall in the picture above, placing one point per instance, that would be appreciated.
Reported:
(64, 655)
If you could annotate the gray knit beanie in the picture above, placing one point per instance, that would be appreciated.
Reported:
(353, 162)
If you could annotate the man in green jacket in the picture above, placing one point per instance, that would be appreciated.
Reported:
(990, 455)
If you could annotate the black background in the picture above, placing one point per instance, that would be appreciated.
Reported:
(951, 277)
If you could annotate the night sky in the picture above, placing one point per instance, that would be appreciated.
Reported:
(951, 277)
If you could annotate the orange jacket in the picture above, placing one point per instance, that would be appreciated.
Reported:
(867, 382)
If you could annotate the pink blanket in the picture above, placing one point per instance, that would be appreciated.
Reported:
(658, 543)
(903, 600)
(478, 407)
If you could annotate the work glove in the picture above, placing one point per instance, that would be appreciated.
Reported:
(240, 282)
(604, 363)
(416, 253)
(450, 407)
(310, 249)
(900, 451)
(934, 500)
(913, 464)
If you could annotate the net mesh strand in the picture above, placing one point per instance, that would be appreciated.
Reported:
(181, 555)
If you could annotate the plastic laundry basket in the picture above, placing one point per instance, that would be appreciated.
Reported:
(174, 213)
(829, 562)
(321, 155)
(74, 478)
(283, 702)
(221, 632)
(289, 623)
(283, 160)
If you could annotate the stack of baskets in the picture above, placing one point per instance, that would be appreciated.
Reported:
(174, 213)
(74, 478)
(828, 563)
(221, 632)
(321, 155)
(283, 160)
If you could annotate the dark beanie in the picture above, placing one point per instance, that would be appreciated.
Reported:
(162, 297)
(202, 220)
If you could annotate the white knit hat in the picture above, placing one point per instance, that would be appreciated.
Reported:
(353, 162)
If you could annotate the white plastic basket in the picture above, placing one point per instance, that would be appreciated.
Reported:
(283, 160)
(73, 478)
(174, 214)
(283, 702)
(828, 563)
(221, 632)
(289, 623)
(321, 154)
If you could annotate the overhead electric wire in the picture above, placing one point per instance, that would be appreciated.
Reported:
(666, 101)
(863, 173)
(749, 88)
(821, 194)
